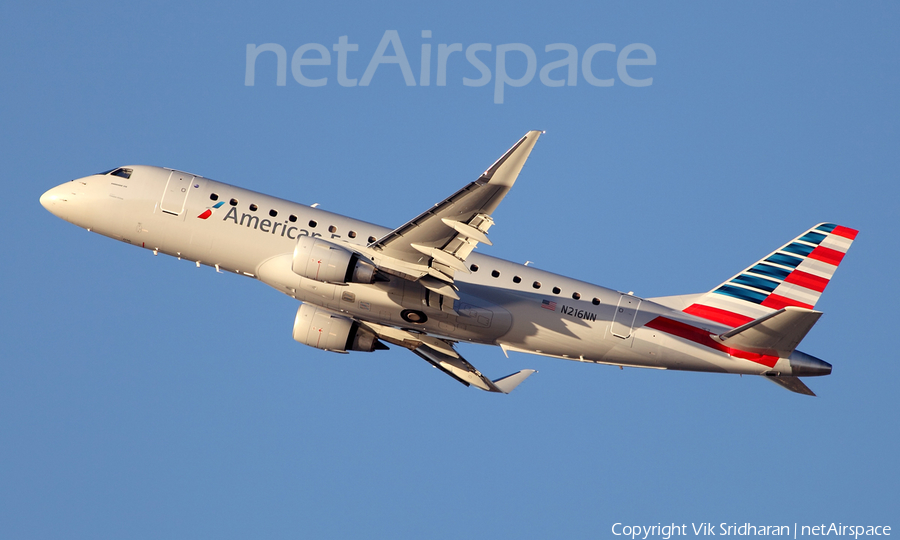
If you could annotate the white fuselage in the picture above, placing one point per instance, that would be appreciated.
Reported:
(520, 308)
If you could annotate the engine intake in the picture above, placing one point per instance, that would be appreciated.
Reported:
(321, 260)
(330, 332)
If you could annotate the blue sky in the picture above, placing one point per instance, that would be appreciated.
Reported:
(141, 397)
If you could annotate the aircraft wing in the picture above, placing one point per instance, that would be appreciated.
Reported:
(435, 244)
(441, 354)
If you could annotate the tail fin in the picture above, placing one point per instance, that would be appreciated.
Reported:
(794, 275)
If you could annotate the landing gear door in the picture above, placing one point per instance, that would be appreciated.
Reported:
(176, 193)
(626, 312)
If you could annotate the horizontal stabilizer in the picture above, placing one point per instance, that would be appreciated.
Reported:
(776, 334)
(793, 384)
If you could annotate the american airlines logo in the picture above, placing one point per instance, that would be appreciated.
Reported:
(560, 64)
(209, 211)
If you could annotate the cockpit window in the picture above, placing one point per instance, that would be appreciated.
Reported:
(105, 172)
(123, 173)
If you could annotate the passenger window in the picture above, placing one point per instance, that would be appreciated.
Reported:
(273, 213)
(517, 279)
(596, 301)
(536, 284)
(352, 234)
(556, 290)
(332, 229)
(576, 296)
(473, 267)
(213, 197)
(312, 223)
(233, 202)
(253, 208)
(292, 218)
(495, 273)
(372, 239)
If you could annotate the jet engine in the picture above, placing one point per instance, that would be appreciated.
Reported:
(322, 329)
(321, 260)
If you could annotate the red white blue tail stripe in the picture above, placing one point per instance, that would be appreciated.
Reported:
(794, 275)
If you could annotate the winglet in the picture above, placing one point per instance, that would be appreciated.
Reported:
(510, 382)
(505, 170)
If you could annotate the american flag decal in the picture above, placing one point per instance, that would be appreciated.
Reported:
(547, 304)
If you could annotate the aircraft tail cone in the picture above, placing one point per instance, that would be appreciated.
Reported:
(806, 365)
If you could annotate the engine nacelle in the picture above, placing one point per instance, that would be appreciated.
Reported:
(325, 330)
(321, 260)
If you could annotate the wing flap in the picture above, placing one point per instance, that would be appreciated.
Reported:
(467, 231)
(439, 287)
(447, 259)
(458, 368)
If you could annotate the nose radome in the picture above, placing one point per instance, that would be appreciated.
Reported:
(53, 201)
(47, 199)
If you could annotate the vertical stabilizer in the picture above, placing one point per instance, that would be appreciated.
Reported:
(794, 275)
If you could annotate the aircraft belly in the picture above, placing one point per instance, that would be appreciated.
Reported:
(475, 320)
(546, 333)
(674, 353)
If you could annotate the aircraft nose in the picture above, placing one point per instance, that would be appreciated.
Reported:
(46, 199)
(53, 201)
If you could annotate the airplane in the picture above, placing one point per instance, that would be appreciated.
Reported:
(422, 287)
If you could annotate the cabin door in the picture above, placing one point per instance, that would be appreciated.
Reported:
(176, 193)
(626, 312)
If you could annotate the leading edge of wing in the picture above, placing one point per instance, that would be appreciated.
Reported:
(465, 214)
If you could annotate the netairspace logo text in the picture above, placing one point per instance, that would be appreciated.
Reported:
(560, 64)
